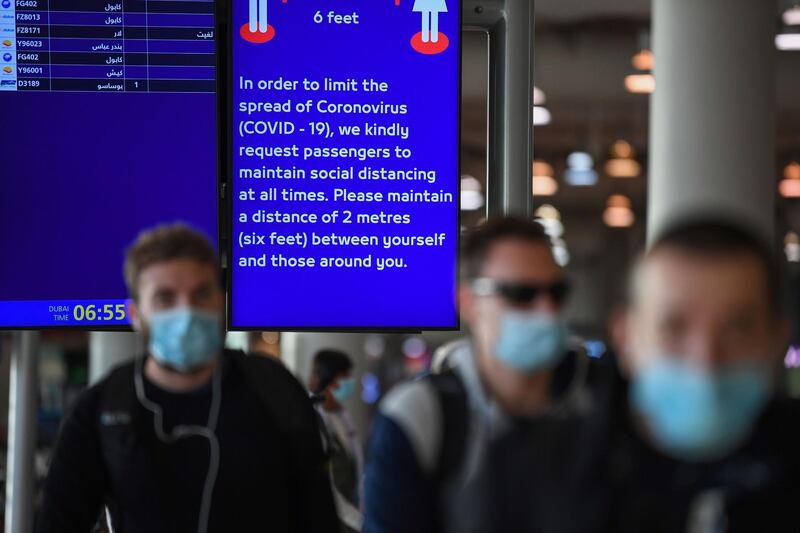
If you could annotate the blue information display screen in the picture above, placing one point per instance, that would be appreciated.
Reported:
(108, 127)
(345, 136)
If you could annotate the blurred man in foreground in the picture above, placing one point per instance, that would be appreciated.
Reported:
(189, 437)
(701, 441)
(484, 446)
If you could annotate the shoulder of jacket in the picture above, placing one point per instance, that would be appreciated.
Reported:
(112, 385)
(259, 366)
(278, 390)
(415, 407)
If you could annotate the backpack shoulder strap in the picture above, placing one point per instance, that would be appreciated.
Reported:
(455, 421)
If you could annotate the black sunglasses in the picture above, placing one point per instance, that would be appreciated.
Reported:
(521, 293)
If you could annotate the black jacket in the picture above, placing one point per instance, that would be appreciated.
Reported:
(627, 486)
(107, 455)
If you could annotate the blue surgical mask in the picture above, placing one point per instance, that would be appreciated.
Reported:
(696, 414)
(531, 342)
(345, 389)
(184, 338)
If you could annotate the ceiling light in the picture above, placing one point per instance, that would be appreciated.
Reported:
(787, 41)
(550, 219)
(580, 171)
(580, 161)
(561, 255)
(618, 212)
(580, 178)
(471, 200)
(544, 182)
(471, 195)
(539, 97)
(792, 171)
(618, 200)
(623, 168)
(640, 83)
(622, 149)
(791, 247)
(544, 186)
(791, 17)
(547, 212)
(622, 163)
(542, 168)
(541, 116)
(643, 60)
(790, 188)
(790, 184)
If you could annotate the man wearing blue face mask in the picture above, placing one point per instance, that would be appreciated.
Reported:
(699, 438)
(189, 437)
(483, 446)
(332, 384)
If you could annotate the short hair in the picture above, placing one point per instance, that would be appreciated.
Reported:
(714, 237)
(478, 242)
(166, 243)
(328, 364)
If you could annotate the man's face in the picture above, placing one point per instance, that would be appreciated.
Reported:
(509, 261)
(710, 310)
(173, 284)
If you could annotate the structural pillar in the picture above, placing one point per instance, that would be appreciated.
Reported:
(712, 130)
(21, 475)
(108, 349)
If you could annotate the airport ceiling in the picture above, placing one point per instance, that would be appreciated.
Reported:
(583, 53)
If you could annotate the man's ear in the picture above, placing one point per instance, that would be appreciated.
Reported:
(466, 303)
(620, 327)
(134, 315)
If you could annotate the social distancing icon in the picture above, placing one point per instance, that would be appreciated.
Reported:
(257, 29)
(429, 40)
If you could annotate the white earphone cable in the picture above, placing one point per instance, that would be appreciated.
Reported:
(179, 432)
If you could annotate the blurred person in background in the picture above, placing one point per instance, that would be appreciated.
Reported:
(698, 438)
(190, 436)
(486, 445)
(332, 383)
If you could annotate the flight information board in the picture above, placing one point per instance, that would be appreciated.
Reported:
(344, 164)
(109, 127)
(101, 45)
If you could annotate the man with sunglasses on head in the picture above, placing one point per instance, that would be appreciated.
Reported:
(486, 445)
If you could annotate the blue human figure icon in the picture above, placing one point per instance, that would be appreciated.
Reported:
(430, 10)
(258, 16)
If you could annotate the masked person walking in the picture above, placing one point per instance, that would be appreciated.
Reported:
(485, 446)
(332, 383)
(698, 437)
(190, 436)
